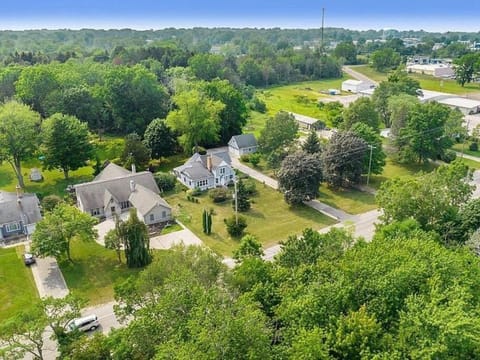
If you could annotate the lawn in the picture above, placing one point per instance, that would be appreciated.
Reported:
(426, 82)
(465, 149)
(301, 98)
(255, 123)
(270, 219)
(17, 287)
(94, 272)
(349, 200)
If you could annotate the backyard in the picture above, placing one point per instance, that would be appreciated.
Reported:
(17, 287)
(270, 219)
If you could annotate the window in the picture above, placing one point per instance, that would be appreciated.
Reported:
(152, 217)
(95, 212)
(216, 180)
(11, 227)
(112, 209)
(202, 183)
(231, 176)
(164, 214)
(222, 171)
(125, 204)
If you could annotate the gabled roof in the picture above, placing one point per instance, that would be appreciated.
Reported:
(304, 119)
(196, 167)
(243, 141)
(13, 209)
(144, 200)
(92, 194)
(112, 171)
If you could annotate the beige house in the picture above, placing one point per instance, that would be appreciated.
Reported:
(115, 190)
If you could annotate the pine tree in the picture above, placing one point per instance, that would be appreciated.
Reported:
(312, 144)
(243, 203)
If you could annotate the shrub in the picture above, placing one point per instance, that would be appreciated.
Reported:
(449, 156)
(250, 187)
(165, 181)
(200, 149)
(194, 192)
(254, 159)
(49, 202)
(218, 195)
(258, 105)
(234, 229)
(473, 146)
(245, 158)
(153, 165)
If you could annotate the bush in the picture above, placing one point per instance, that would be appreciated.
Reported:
(49, 202)
(254, 159)
(245, 158)
(258, 105)
(165, 181)
(201, 150)
(194, 192)
(250, 187)
(449, 156)
(473, 146)
(234, 229)
(153, 165)
(218, 195)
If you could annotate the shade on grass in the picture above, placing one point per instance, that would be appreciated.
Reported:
(18, 291)
(270, 218)
(94, 272)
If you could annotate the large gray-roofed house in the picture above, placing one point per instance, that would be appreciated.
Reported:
(18, 213)
(115, 191)
(206, 171)
(242, 144)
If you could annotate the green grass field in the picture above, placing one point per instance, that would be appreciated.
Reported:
(270, 219)
(94, 272)
(17, 287)
(349, 200)
(465, 149)
(426, 82)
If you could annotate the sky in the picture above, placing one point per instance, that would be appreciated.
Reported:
(429, 15)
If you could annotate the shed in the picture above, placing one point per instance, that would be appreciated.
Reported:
(307, 122)
(355, 86)
(35, 175)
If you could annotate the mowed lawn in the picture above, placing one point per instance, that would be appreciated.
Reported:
(17, 287)
(301, 98)
(270, 219)
(427, 82)
(94, 272)
(349, 200)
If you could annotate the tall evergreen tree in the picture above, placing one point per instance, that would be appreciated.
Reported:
(312, 144)
(134, 233)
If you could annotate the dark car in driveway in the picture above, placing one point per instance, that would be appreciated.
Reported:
(28, 259)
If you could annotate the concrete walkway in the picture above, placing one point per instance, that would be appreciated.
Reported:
(325, 209)
(466, 156)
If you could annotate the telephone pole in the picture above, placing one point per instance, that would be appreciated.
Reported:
(370, 163)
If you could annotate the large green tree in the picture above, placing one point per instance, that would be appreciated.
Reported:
(361, 111)
(134, 235)
(300, 176)
(19, 127)
(160, 139)
(374, 163)
(385, 59)
(135, 151)
(66, 143)
(466, 67)
(55, 232)
(196, 119)
(347, 51)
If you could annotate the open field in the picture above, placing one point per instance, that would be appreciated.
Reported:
(270, 219)
(17, 287)
(94, 272)
(349, 200)
(426, 82)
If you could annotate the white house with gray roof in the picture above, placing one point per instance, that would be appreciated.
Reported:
(18, 214)
(242, 145)
(115, 190)
(206, 171)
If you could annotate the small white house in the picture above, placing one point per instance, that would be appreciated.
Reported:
(355, 86)
(242, 144)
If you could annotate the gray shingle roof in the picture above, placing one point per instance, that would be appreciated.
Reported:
(92, 194)
(196, 167)
(245, 140)
(112, 171)
(12, 210)
(144, 200)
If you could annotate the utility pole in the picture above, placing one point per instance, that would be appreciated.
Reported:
(463, 142)
(236, 201)
(323, 25)
(370, 163)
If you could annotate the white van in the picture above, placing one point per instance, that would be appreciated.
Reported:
(87, 323)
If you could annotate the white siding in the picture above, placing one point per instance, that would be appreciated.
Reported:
(160, 214)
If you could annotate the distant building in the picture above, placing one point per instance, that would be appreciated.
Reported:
(306, 122)
(355, 86)
(242, 144)
(466, 106)
(436, 70)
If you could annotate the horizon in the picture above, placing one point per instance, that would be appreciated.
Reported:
(283, 14)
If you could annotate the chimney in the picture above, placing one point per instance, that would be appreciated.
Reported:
(19, 191)
(134, 169)
(209, 162)
(132, 185)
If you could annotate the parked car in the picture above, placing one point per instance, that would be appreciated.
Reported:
(86, 323)
(28, 259)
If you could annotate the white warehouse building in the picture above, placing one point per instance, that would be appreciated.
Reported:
(355, 86)
(436, 70)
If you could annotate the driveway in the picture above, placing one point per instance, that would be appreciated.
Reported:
(358, 76)
(168, 241)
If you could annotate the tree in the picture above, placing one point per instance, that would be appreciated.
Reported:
(398, 108)
(207, 66)
(66, 143)
(346, 50)
(361, 111)
(242, 200)
(300, 176)
(372, 139)
(249, 247)
(385, 59)
(235, 225)
(135, 152)
(312, 144)
(466, 67)
(134, 235)
(160, 139)
(343, 159)
(196, 119)
(58, 228)
(113, 241)
(18, 135)
(50, 202)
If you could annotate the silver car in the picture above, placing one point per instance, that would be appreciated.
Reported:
(87, 323)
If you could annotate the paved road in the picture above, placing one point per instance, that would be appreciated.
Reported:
(355, 74)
